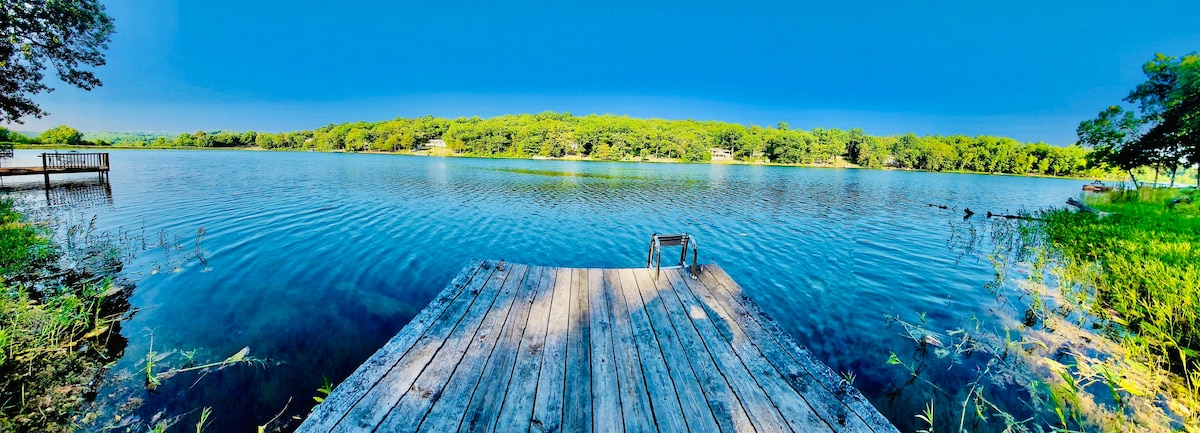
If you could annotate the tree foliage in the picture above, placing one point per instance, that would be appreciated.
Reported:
(612, 138)
(61, 134)
(1161, 126)
(67, 34)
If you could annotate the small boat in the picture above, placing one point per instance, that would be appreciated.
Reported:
(1097, 186)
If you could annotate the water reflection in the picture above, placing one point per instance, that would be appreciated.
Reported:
(315, 260)
(80, 194)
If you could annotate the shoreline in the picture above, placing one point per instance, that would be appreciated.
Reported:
(843, 165)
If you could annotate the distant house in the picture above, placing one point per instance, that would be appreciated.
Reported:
(433, 143)
(719, 154)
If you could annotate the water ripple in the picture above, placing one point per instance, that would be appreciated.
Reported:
(315, 260)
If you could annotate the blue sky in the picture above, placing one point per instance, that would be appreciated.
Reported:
(1028, 70)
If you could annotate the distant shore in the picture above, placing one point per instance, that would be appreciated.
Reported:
(446, 153)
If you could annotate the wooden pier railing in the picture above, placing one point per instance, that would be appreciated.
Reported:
(68, 161)
(63, 163)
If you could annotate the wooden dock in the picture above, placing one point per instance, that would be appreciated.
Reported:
(510, 347)
(63, 163)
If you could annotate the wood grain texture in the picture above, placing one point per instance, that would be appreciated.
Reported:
(696, 410)
(577, 400)
(833, 385)
(479, 324)
(548, 402)
(606, 397)
(635, 401)
(510, 347)
(518, 402)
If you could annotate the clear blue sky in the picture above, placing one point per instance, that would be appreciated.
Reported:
(1028, 70)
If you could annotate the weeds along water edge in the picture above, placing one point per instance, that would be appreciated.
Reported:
(64, 296)
(1097, 326)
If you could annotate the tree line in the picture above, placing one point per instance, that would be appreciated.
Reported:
(614, 138)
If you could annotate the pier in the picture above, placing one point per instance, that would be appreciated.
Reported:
(63, 163)
(511, 347)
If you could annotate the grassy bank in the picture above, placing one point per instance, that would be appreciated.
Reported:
(1098, 323)
(1137, 269)
(59, 324)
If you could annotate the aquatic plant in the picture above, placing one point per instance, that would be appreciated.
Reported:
(203, 422)
(1101, 328)
(324, 390)
(927, 417)
(60, 317)
(154, 377)
(1138, 271)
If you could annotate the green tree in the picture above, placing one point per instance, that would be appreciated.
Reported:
(266, 141)
(872, 152)
(854, 144)
(248, 138)
(1163, 128)
(68, 34)
(1114, 136)
(1169, 101)
(201, 139)
(937, 155)
(907, 151)
(357, 139)
(61, 134)
(731, 137)
(8, 135)
(828, 144)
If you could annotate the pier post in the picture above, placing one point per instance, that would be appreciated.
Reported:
(46, 173)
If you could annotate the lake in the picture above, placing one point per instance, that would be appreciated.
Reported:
(314, 260)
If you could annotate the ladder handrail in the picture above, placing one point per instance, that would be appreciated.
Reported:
(654, 257)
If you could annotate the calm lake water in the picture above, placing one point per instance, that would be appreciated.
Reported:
(314, 260)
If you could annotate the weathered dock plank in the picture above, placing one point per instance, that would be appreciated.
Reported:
(845, 393)
(664, 401)
(722, 400)
(518, 402)
(443, 344)
(577, 409)
(794, 408)
(696, 410)
(762, 412)
(445, 387)
(485, 351)
(552, 383)
(447, 307)
(635, 402)
(606, 397)
(509, 347)
(483, 411)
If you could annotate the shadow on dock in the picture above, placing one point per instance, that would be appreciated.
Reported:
(513, 347)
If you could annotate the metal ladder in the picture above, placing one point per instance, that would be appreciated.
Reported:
(657, 242)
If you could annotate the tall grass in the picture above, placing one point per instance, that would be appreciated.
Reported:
(1138, 269)
(1100, 318)
(1141, 263)
(58, 328)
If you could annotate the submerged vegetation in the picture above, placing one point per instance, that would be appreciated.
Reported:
(62, 304)
(1099, 322)
(60, 313)
(1137, 269)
